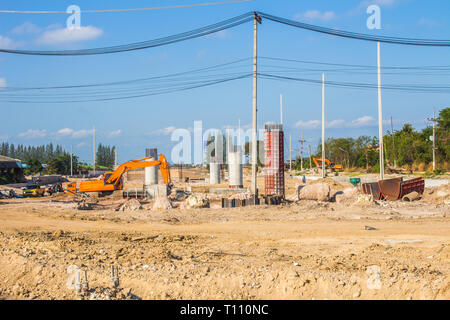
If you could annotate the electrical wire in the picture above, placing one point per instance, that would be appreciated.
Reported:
(358, 36)
(133, 9)
(227, 24)
(399, 87)
(200, 32)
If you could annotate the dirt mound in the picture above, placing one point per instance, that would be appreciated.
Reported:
(162, 203)
(332, 183)
(130, 205)
(437, 195)
(348, 195)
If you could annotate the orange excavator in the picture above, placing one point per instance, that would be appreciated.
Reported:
(112, 181)
(328, 164)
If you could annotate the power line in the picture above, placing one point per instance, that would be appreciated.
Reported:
(406, 87)
(230, 23)
(200, 32)
(358, 36)
(145, 94)
(133, 9)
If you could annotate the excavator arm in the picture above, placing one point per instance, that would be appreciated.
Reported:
(113, 180)
(137, 164)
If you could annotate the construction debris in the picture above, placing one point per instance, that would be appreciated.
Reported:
(130, 205)
(393, 189)
(410, 197)
(162, 203)
(318, 191)
(349, 194)
(196, 201)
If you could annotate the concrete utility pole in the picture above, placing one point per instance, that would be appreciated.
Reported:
(115, 158)
(256, 20)
(434, 138)
(93, 147)
(393, 144)
(310, 160)
(301, 149)
(281, 108)
(323, 125)
(290, 154)
(380, 117)
(71, 164)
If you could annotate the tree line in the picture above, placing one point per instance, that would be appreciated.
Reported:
(56, 159)
(407, 147)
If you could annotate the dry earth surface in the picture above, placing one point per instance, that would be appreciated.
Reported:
(303, 250)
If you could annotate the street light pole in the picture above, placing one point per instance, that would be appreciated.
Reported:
(256, 20)
(380, 117)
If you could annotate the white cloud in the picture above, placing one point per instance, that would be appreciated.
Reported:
(82, 133)
(65, 132)
(114, 134)
(315, 15)
(338, 123)
(166, 131)
(33, 134)
(311, 124)
(7, 43)
(66, 35)
(81, 144)
(2, 83)
(363, 121)
(3, 137)
(26, 28)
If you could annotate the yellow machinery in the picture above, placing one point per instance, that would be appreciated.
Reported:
(112, 181)
(33, 191)
(328, 164)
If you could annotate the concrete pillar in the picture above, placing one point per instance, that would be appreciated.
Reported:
(235, 169)
(151, 174)
(214, 173)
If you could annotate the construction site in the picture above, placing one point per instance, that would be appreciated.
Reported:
(251, 222)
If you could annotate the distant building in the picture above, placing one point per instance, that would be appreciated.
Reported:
(11, 170)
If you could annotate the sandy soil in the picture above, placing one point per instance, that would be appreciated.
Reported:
(303, 250)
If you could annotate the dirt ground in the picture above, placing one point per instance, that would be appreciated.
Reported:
(303, 250)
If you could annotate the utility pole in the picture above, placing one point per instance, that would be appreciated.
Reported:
(310, 160)
(380, 117)
(301, 149)
(434, 138)
(71, 163)
(256, 20)
(323, 125)
(115, 158)
(93, 147)
(290, 154)
(281, 108)
(393, 144)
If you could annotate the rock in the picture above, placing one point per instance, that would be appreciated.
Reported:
(318, 191)
(162, 203)
(364, 199)
(197, 201)
(130, 205)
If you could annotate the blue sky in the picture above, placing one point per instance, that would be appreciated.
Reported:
(135, 124)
